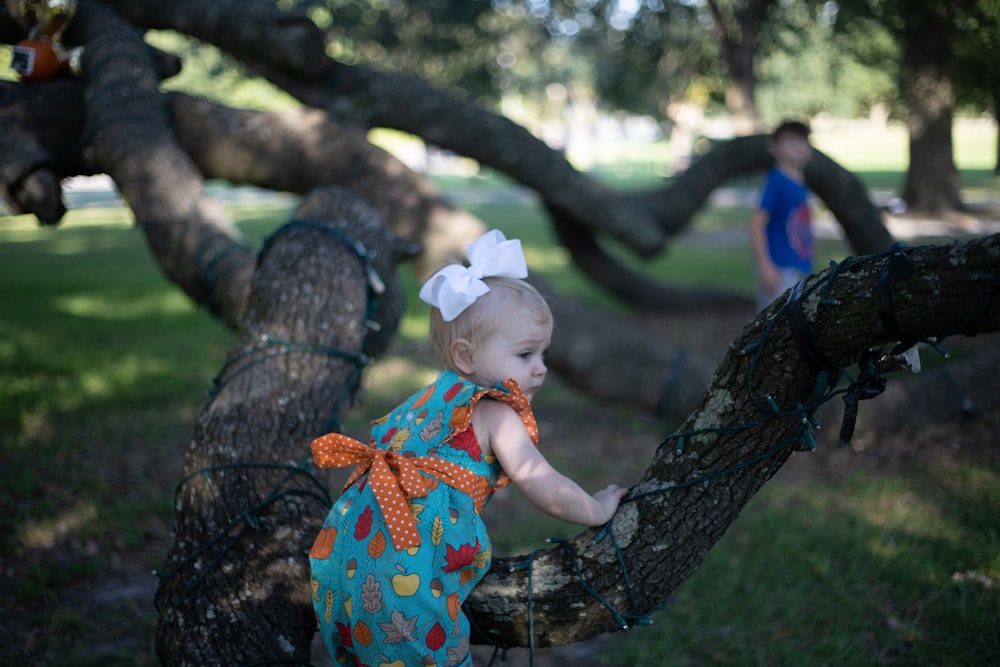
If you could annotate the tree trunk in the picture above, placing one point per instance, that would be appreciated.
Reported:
(235, 583)
(932, 180)
(738, 54)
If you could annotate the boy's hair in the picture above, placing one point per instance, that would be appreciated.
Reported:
(477, 322)
(795, 127)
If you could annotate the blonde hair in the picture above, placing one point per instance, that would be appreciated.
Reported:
(478, 322)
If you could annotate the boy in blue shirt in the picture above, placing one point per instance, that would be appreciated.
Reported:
(781, 234)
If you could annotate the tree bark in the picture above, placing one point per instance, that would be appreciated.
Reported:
(235, 583)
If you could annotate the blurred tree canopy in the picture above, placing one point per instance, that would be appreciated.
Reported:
(634, 60)
(758, 60)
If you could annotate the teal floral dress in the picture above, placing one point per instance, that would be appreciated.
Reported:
(404, 545)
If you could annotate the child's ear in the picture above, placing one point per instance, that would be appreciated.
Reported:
(462, 355)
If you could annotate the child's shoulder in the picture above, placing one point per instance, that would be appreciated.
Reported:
(495, 417)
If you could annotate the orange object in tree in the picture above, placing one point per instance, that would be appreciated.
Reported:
(36, 60)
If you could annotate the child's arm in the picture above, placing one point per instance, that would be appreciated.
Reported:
(769, 275)
(501, 430)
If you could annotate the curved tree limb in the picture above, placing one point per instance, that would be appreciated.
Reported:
(616, 359)
(675, 204)
(254, 30)
(128, 134)
(300, 149)
(33, 156)
(735, 442)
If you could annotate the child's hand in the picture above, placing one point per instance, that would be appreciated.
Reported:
(609, 498)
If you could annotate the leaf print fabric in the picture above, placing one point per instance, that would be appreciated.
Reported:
(378, 604)
(458, 558)
(466, 441)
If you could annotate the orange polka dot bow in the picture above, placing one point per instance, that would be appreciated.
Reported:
(395, 477)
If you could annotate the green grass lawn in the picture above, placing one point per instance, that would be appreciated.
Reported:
(103, 368)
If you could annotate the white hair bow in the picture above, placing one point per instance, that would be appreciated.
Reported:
(455, 287)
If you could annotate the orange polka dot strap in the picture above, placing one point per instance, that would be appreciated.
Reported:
(394, 478)
(515, 398)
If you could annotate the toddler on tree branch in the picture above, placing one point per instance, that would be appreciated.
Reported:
(405, 544)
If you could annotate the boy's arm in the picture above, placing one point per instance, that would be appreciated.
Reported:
(544, 486)
(768, 272)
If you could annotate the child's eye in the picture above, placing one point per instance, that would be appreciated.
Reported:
(525, 355)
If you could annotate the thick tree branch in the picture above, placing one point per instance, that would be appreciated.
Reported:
(376, 99)
(33, 145)
(695, 488)
(617, 359)
(301, 149)
(128, 136)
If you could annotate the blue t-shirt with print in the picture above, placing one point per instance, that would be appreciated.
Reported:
(789, 223)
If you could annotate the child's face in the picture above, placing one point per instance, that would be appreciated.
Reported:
(515, 350)
(791, 150)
